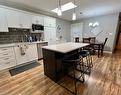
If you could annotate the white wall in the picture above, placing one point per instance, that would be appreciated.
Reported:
(65, 29)
(108, 25)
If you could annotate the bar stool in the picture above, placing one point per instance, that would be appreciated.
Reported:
(73, 62)
(88, 64)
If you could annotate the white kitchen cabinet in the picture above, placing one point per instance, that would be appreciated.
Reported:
(38, 19)
(50, 34)
(25, 20)
(18, 19)
(7, 58)
(13, 18)
(76, 31)
(20, 59)
(30, 54)
(3, 21)
(49, 22)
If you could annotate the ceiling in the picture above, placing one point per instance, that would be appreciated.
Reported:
(89, 8)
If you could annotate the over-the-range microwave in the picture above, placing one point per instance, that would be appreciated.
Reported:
(37, 28)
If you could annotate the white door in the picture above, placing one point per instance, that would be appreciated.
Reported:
(25, 20)
(13, 18)
(3, 21)
(76, 31)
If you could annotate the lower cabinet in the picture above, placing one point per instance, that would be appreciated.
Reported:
(30, 54)
(12, 56)
(7, 58)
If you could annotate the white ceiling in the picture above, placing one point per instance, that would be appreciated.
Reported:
(89, 8)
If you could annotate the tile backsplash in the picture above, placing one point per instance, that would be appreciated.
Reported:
(18, 35)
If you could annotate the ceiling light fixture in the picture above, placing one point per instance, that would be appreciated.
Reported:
(74, 13)
(59, 9)
(65, 7)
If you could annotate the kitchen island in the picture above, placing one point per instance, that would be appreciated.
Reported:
(53, 56)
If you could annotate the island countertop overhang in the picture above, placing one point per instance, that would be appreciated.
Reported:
(65, 47)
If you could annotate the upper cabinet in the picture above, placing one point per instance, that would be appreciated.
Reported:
(17, 19)
(13, 18)
(38, 20)
(25, 20)
(49, 22)
(3, 21)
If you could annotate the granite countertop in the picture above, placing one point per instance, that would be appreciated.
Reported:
(15, 44)
(65, 47)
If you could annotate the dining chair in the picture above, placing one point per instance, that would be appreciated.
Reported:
(92, 39)
(77, 39)
(102, 49)
(86, 40)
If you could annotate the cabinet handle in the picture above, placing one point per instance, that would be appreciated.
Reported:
(7, 63)
(4, 49)
(5, 54)
(6, 58)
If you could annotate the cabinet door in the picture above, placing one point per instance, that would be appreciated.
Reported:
(53, 34)
(13, 18)
(47, 34)
(50, 35)
(38, 20)
(49, 22)
(20, 59)
(32, 52)
(25, 20)
(3, 21)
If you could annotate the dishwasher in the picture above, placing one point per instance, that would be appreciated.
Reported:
(39, 49)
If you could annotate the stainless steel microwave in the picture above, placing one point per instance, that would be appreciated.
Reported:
(37, 27)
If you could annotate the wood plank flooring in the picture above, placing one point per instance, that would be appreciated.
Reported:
(105, 79)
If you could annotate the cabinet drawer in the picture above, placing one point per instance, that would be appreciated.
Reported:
(6, 59)
(5, 54)
(7, 65)
(5, 50)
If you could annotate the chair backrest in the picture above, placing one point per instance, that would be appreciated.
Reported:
(92, 39)
(86, 40)
(77, 39)
(105, 42)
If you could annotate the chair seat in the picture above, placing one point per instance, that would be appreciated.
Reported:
(72, 58)
(84, 53)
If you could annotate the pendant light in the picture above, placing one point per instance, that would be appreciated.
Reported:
(59, 9)
(74, 13)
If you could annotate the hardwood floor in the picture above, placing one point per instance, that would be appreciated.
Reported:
(105, 79)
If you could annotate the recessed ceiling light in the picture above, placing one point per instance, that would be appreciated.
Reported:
(65, 7)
